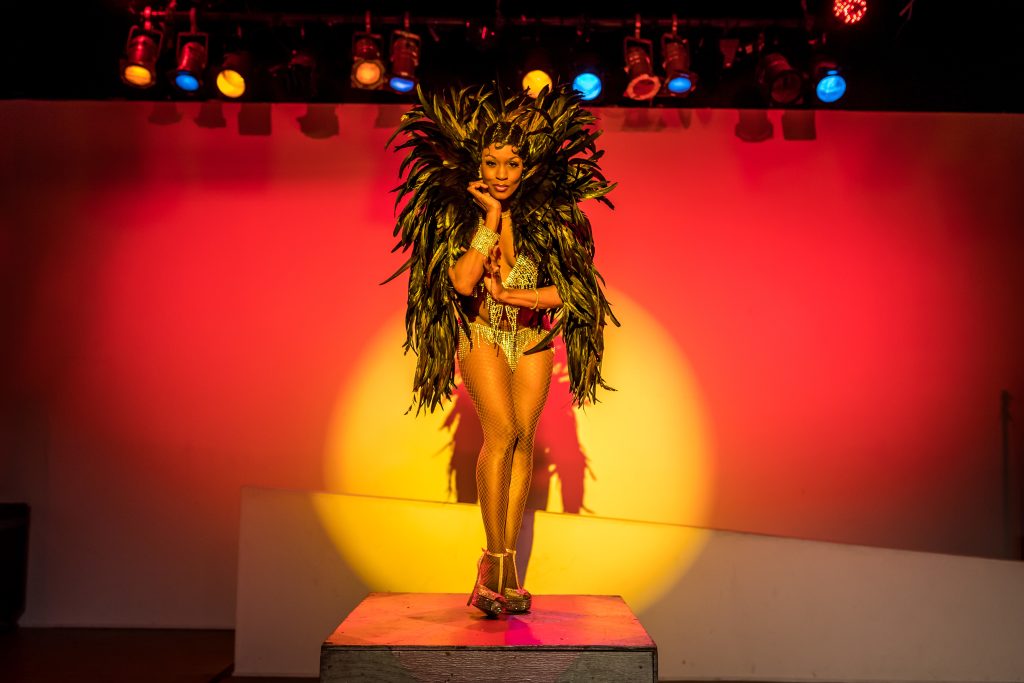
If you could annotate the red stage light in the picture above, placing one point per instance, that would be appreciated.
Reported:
(849, 11)
(643, 84)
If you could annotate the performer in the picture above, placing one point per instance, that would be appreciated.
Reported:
(502, 259)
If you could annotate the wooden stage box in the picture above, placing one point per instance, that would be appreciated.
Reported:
(436, 637)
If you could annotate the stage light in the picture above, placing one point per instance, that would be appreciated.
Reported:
(642, 84)
(367, 67)
(234, 74)
(589, 79)
(138, 67)
(679, 80)
(588, 85)
(849, 11)
(192, 54)
(405, 57)
(297, 80)
(535, 81)
(829, 84)
(781, 82)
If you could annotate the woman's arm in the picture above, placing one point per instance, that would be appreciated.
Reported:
(467, 270)
(535, 298)
(541, 297)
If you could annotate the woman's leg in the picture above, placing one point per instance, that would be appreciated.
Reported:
(488, 380)
(530, 384)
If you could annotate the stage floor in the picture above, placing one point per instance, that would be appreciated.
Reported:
(117, 655)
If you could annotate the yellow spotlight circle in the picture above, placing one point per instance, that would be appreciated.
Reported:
(644, 474)
(368, 73)
(231, 83)
(138, 75)
(535, 81)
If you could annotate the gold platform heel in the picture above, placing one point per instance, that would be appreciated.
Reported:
(492, 603)
(518, 599)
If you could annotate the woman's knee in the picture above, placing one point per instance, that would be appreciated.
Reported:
(499, 434)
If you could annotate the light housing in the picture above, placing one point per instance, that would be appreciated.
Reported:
(296, 80)
(138, 66)
(192, 59)
(234, 74)
(367, 67)
(827, 79)
(680, 81)
(642, 84)
(782, 84)
(405, 57)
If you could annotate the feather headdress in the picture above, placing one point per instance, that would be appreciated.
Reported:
(560, 169)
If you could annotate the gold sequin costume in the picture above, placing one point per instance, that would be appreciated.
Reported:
(503, 329)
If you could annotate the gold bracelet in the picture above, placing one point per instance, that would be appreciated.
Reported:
(536, 301)
(484, 240)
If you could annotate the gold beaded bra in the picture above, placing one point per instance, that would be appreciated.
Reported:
(503, 329)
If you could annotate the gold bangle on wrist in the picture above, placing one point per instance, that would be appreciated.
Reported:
(536, 300)
(484, 240)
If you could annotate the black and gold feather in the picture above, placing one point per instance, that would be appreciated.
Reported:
(560, 169)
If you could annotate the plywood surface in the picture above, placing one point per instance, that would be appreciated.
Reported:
(421, 620)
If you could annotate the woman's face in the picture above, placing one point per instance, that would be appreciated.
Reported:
(501, 168)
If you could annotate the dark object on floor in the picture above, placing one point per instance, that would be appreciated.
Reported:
(14, 519)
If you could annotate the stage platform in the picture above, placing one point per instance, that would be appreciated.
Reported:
(436, 637)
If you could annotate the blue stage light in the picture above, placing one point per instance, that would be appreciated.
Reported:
(588, 85)
(186, 82)
(405, 57)
(680, 85)
(680, 80)
(399, 84)
(831, 86)
(191, 61)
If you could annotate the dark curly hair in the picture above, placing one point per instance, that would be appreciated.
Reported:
(501, 133)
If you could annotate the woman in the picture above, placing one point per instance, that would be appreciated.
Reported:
(499, 243)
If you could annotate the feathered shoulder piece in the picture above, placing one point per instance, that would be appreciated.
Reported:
(560, 168)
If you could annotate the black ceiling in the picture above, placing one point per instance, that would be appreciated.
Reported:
(925, 55)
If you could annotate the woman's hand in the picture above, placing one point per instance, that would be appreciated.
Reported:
(492, 275)
(483, 198)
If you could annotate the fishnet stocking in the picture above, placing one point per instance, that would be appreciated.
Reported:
(509, 405)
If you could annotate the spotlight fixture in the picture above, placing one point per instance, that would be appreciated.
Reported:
(642, 83)
(234, 74)
(405, 57)
(679, 80)
(849, 11)
(536, 70)
(296, 79)
(828, 80)
(588, 84)
(588, 79)
(781, 82)
(367, 67)
(192, 54)
(535, 81)
(138, 66)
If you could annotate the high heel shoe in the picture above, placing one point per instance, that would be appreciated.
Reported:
(483, 598)
(517, 598)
